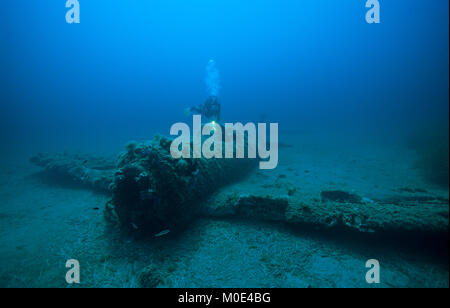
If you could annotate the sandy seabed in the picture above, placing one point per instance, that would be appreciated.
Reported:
(44, 223)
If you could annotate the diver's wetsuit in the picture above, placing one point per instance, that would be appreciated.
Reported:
(210, 109)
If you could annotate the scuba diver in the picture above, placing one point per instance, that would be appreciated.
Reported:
(210, 109)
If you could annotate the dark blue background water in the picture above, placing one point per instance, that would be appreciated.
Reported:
(131, 67)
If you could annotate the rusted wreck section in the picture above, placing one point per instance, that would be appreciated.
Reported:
(91, 172)
(152, 192)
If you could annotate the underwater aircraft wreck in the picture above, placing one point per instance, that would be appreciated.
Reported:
(151, 191)
(153, 194)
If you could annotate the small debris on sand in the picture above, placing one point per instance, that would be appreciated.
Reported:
(162, 233)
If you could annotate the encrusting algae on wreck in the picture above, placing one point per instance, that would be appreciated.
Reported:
(157, 196)
(152, 191)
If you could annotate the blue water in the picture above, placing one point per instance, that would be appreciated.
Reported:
(130, 69)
